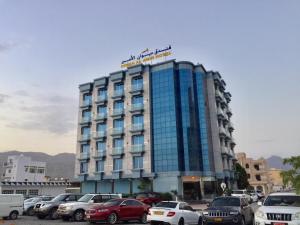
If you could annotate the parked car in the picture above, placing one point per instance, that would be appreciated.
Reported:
(173, 212)
(76, 210)
(229, 210)
(49, 208)
(242, 194)
(279, 209)
(116, 210)
(150, 198)
(11, 205)
(29, 204)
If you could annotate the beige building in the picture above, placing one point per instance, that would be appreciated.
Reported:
(257, 171)
(276, 179)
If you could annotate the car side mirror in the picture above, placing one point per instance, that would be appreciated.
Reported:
(123, 204)
(92, 201)
(259, 203)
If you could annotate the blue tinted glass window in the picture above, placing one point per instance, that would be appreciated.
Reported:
(119, 86)
(119, 123)
(137, 81)
(83, 167)
(101, 145)
(101, 127)
(87, 97)
(85, 130)
(86, 113)
(138, 162)
(138, 119)
(118, 105)
(99, 166)
(102, 92)
(137, 100)
(85, 148)
(117, 164)
(138, 139)
(102, 109)
(118, 143)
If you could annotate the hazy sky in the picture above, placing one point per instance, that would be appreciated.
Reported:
(47, 48)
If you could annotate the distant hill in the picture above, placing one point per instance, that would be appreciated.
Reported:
(277, 162)
(60, 165)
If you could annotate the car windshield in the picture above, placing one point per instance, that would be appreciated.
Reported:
(59, 198)
(238, 192)
(283, 200)
(113, 202)
(31, 200)
(171, 205)
(226, 202)
(85, 198)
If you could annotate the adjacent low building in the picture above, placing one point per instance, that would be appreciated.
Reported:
(257, 172)
(23, 169)
(167, 125)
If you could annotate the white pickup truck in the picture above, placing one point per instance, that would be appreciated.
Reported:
(76, 210)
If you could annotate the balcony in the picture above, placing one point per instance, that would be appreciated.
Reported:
(136, 89)
(100, 154)
(118, 151)
(85, 137)
(101, 99)
(85, 119)
(117, 131)
(230, 126)
(137, 128)
(8, 164)
(232, 141)
(100, 117)
(220, 113)
(118, 94)
(222, 131)
(137, 149)
(100, 135)
(224, 151)
(138, 107)
(86, 103)
(84, 156)
(118, 112)
(228, 111)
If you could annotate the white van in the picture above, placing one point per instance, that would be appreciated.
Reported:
(11, 205)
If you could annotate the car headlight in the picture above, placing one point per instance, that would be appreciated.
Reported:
(260, 214)
(45, 206)
(234, 213)
(102, 210)
(296, 216)
(69, 207)
(205, 213)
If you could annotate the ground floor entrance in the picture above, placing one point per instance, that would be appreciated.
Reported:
(191, 191)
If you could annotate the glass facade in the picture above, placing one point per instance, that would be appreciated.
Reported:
(164, 125)
(202, 120)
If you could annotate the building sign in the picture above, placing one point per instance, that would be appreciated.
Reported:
(146, 56)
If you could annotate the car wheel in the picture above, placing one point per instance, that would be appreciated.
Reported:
(181, 221)
(53, 214)
(78, 215)
(112, 218)
(200, 221)
(13, 215)
(144, 218)
(243, 221)
(41, 217)
(30, 212)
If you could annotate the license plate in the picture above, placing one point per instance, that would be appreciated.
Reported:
(218, 219)
(279, 223)
(159, 213)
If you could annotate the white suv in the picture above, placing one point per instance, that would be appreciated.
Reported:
(242, 194)
(279, 209)
(76, 210)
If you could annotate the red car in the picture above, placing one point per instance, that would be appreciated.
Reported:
(118, 210)
(149, 198)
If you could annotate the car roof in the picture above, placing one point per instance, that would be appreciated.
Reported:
(284, 194)
(174, 201)
(228, 197)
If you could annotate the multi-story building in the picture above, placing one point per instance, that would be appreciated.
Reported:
(276, 179)
(21, 169)
(167, 123)
(257, 172)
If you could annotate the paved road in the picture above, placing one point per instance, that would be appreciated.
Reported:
(31, 220)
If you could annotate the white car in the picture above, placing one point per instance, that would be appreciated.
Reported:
(76, 210)
(11, 206)
(242, 194)
(174, 213)
(279, 209)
